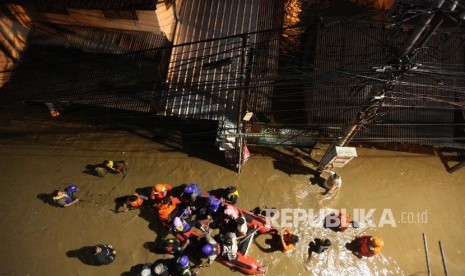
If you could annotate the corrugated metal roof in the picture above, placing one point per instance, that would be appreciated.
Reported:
(205, 78)
(91, 67)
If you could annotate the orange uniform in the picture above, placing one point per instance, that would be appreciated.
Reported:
(136, 203)
(165, 209)
(286, 239)
(366, 246)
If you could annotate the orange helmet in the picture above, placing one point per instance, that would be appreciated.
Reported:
(161, 190)
(376, 242)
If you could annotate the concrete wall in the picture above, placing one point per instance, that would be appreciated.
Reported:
(162, 20)
(14, 28)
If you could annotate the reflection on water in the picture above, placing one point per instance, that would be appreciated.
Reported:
(338, 260)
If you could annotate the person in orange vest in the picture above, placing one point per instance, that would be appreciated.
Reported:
(288, 240)
(166, 207)
(367, 246)
(160, 191)
(133, 201)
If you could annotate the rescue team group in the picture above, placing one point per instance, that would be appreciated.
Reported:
(185, 210)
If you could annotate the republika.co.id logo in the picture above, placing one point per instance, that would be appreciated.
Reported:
(296, 217)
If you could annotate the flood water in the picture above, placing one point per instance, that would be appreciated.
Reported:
(40, 155)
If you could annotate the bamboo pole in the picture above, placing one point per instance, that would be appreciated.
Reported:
(427, 255)
(443, 259)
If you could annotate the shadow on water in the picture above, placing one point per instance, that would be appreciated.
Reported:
(451, 159)
(192, 137)
(352, 247)
(273, 243)
(287, 161)
(150, 215)
(316, 179)
(218, 193)
(135, 270)
(85, 255)
(99, 96)
(48, 198)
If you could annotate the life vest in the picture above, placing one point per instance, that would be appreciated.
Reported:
(286, 241)
(63, 195)
(60, 195)
(365, 248)
(185, 227)
(137, 203)
(164, 210)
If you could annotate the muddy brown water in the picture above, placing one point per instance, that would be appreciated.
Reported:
(39, 239)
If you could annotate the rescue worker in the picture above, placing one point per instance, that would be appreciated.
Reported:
(166, 207)
(104, 253)
(67, 197)
(180, 229)
(160, 191)
(190, 194)
(288, 240)
(209, 249)
(232, 195)
(134, 201)
(213, 204)
(115, 166)
(209, 206)
(180, 225)
(182, 266)
(368, 246)
(171, 246)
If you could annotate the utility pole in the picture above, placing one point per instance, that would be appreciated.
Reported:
(407, 53)
(364, 117)
(242, 103)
